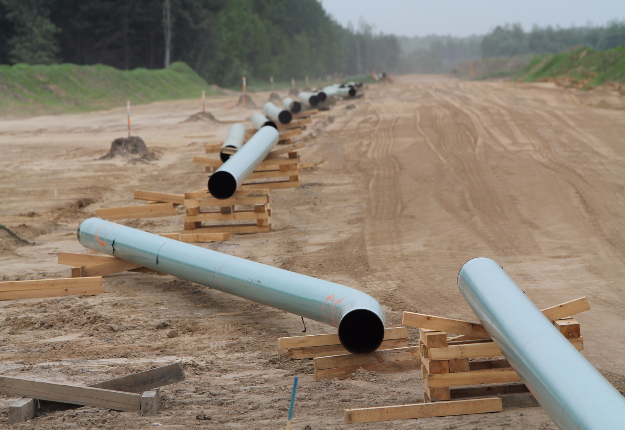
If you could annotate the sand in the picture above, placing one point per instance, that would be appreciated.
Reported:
(416, 179)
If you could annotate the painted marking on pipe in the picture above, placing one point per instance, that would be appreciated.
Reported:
(96, 233)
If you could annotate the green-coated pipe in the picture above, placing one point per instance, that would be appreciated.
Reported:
(359, 317)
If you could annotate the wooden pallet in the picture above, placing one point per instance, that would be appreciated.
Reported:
(224, 215)
(324, 345)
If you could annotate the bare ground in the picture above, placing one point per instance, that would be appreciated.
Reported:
(421, 176)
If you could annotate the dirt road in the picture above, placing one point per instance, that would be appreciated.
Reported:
(418, 178)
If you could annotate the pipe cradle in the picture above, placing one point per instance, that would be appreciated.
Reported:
(234, 139)
(308, 98)
(359, 317)
(274, 113)
(573, 393)
(259, 120)
(228, 178)
(291, 105)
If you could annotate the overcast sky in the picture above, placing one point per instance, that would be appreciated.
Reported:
(466, 17)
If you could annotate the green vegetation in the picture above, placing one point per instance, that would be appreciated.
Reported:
(70, 88)
(583, 67)
(492, 68)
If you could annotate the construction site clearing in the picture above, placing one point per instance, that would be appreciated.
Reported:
(389, 194)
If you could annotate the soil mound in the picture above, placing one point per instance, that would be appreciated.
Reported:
(202, 116)
(132, 149)
(249, 103)
(9, 241)
(293, 92)
(274, 97)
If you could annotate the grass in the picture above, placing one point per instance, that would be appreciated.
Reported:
(66, 88)
(585, 65)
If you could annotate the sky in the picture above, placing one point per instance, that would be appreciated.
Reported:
(466, 17)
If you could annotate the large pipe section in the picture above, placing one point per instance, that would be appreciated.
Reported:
(228, 178)
(308, 98)
(573, 393)
(259, 121)
(234, 139)
(322, 96)
(359, 317)
(291, 105)
(274, 113)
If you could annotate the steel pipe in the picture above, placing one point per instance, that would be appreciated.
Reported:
(228, 178)
(259, 121)
(274, 113)
(234, 139)
(346, 91)
(308, 98)
(291, 105)
(331, 90)
(359, 317)
(322, 96)
(573, 393)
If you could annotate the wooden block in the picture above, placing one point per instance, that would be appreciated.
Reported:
(570, 328)
(327, 350)
(436, 394)
(150, 402)
(225, 210)
(88, 396)
(262, 222)
(333, 339)
(205, 237)
(235, 216)
(567, 309)
(22, 410)
(41, 288)
(383, 367)
(479, 350)
(174, 236)
(307, 166)
(177, 199)
(458, 365)
(424, 350)
(234, 229)
(494, 390)
(486, 364)
(207, 161)
(146, 380)
(76, 259)
(435, 366)
(397, 354)
(189, 227)
(435, 339)
(448, 325)
(478, 377)
(192, 211)
(423, 410)
(110, 268)
(78, 272)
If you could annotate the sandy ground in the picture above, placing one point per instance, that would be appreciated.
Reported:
(418, 178)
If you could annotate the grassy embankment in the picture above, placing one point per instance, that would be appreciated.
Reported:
(64, 88)
(582, 68)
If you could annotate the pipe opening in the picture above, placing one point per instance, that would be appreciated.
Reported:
(225, 157)
(361, 331)
(313, 100)
(322, 96)
(296, 107)
(352, 92)
(222, 185)
(285, 117)
(270, 124)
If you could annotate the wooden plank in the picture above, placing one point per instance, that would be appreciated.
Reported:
(449, 325)
(128, 210)
(477, 377)
(76, 259)
(174, 236)
(207, 161)
(433, 339)
(88, 396)
(177, 199)
(397, 354)
(279, 161)
(333, 339)
(195, 136)
(479, 350)
(272, 174)
(274, 185)
(235, 229)
(146, 380)
(423, 410)
(139, 215)
(305, 113)
(291, 133)
(35, 288)
(208, 200)
(327, 350)
(382, 367)
(110, 268)
(285, 150)
(567, 309)
(213, 148)
(494, 390)
(217, 216)
(307, 166)
(205, 237)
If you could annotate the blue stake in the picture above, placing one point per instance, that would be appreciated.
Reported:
(288, 423)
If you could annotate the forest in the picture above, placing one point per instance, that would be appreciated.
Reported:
(222, 40)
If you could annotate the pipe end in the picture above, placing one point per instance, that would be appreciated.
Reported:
(361, 331)
(296, 107)
(285, 117)
(352, 92)
(322, 96)
(313, 100)
(222, 185)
